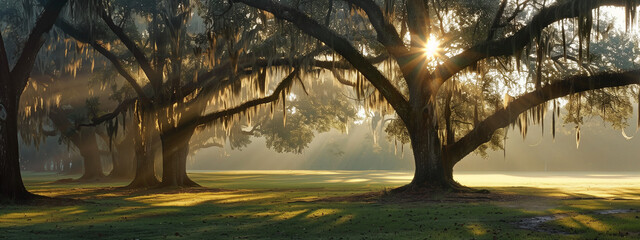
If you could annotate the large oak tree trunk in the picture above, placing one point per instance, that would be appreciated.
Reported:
(12, 83)
(175, 149)
(145, 175)
(11, 185)
(430, 169)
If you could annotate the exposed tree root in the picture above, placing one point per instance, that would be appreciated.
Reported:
(186, 183)
(141, 183)
(449, 186)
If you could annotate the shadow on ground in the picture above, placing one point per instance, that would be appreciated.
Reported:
(304, 205)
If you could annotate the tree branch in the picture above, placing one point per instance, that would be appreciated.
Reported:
(5, 72)
(516, 42)
(496, 20)
(341, 79)
(280, 89)
(123, 106)
(64, 125)
(85, 38)
(155, 78)
(502, 118)
(22, 69)
(519, 8)
(341, 46)
(418, 19)
(386, 32)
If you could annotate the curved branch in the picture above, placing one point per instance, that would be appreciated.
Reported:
(249, 64)
(386, 32)
(496, 20)
(22, 69)
(64, 126)
(123, 106)
(155, 78)
(516, 42)
(502, 118)
(339, 44)
(341, 79)
(280, 89)
(85, 38)
(123, 72)
(196, 147)
(315, 63)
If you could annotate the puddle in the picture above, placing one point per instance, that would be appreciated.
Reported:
(534, 223)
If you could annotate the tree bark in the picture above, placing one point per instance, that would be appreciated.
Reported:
(11, 86)
(430, 170)
(11, 185)
(145, 175)
(175, 149)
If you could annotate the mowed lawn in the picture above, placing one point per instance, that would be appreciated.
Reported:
(318, 205)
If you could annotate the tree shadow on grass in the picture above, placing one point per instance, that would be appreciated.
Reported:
(347, 211)
(234, 214)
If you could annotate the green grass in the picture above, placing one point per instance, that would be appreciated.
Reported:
(274, 204)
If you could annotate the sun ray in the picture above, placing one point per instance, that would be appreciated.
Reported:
(431, 47)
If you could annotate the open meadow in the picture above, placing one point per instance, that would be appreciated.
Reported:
(333, 204)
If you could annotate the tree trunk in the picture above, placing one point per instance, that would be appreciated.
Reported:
(123, 159)
(145, 175)
(12, 83)
(11, 185)
(90, 153)
(430, 170)
(175, 149)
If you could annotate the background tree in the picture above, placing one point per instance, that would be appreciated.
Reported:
(176, 101)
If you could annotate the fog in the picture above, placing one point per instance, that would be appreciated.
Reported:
(601, 149)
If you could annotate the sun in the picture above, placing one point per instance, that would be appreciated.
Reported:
(431, 47)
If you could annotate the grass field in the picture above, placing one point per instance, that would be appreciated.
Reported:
(307, 205)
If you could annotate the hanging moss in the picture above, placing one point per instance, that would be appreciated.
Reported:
(638, 124)
(553, 119)
(630, 13)
(577, 137)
